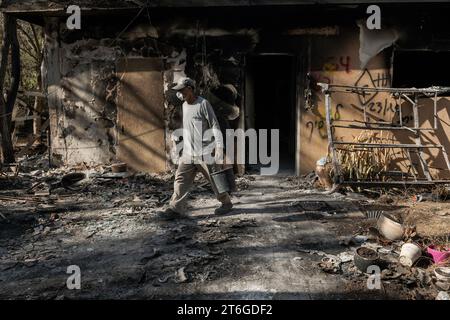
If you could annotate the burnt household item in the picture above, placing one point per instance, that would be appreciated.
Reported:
(389, 227)
(364, 258)
(442, 295)
(409, 254)
(424, 197)
(439, 256)
(224, 180)
(442, 274)
(375, 215)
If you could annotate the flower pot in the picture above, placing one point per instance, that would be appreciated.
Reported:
(364, 258)
(390, 228)
(409, 254)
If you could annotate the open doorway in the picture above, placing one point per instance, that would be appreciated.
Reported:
(270, 103)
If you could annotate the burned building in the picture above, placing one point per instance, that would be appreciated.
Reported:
(258, 62)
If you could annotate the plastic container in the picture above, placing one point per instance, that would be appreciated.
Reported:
(409, 254)
(389, 227)
(438, 256)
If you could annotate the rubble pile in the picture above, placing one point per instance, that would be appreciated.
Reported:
(281, 231)
(391, 250)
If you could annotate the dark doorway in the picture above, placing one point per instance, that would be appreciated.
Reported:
(270, 102)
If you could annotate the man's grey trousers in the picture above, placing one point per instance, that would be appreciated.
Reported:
(184, 178)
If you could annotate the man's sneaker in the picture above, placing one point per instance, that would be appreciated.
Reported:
(169, 215)
(224, 209)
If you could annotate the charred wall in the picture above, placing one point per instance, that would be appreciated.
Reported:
(83, 83)
(211, 46)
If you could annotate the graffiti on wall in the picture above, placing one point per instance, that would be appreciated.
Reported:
(378, 106)
(319, 123)
(332, 64)
(369, 80)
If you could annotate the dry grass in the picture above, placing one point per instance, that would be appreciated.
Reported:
(359, 163)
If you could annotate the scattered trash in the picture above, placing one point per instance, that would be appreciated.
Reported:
(364, 258)
(443, 296)
(423, 197)
(442, 274)
(439, 256)
(389, 274)
(345, 257)
(389, 227)
(354, 240)
(179, 253)
(409, 254)
(441, 285)
(373, 214)
(330, 265)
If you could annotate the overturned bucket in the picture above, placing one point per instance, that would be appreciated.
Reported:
(224, 180)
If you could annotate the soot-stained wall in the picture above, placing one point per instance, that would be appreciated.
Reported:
(83, 84)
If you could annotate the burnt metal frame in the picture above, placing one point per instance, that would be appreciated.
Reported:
(398, 94)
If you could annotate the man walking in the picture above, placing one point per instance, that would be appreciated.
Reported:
(198, 117)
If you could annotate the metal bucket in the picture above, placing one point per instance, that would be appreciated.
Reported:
(224, 180)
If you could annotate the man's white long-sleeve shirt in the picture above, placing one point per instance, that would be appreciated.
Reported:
(198, 118)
